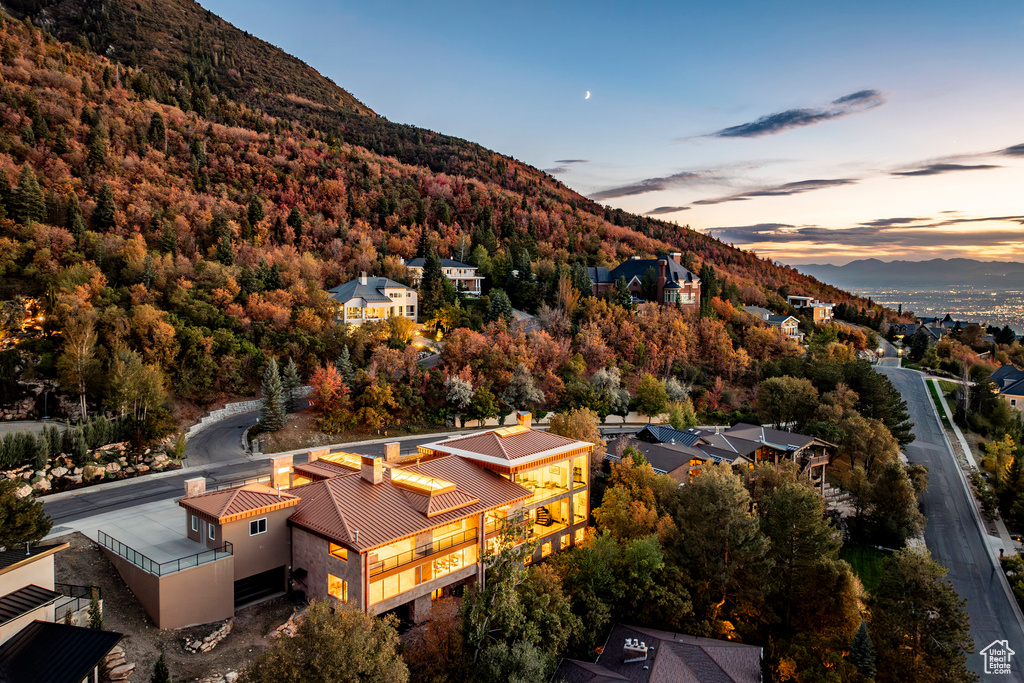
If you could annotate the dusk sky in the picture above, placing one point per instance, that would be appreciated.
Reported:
(809, 132)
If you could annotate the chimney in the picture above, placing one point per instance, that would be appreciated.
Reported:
(662, 267)
(195, 487)
(677, 256)
(313, 456)
(281, 472)
(524, 418)
(362, 278)
(634, 651)
(373, 469)
(392, 452)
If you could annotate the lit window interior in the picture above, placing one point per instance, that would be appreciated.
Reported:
(337, 588)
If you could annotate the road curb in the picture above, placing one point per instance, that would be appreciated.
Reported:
(1003, 581)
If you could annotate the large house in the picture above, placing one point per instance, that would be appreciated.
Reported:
(787, 324)
(820, 311)
(462, 275)
(645, 655)
(675, 285)
(374, 298)
(38, 641)
(1009, 383)
(381, 533)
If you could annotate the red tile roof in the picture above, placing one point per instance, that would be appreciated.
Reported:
(238, 503)
(336, 508)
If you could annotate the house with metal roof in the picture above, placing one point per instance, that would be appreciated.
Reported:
(33, 645)
(464, 276)
(373, 299)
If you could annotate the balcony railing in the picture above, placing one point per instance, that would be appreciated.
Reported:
(73, 599)
(162, 568)
(426, 550)
(816, 460)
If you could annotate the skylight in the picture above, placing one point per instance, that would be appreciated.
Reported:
(511, 431)
(349, 460)
(420, 483)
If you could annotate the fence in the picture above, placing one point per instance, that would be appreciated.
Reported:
(161, 568)
(74, 600)
(425, 550)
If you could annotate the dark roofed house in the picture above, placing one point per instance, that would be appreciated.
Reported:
(668, 434)
(1010, 383)
(374, 298)
(644, 655)
(601, 281)
(676, 285)
(45, 652)
(462, 275)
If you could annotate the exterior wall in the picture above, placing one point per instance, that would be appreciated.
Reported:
(424, 590)
(312, 553)
(198, 595)
(255, 554)
(1014, 401)
(38, 572)
(398, 308)
(11, 628)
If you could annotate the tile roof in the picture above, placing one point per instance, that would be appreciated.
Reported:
(9, 559)
(1006, 376)
(25, 600)
(731, 443)
(239, 502)
(370, 292)
(507, 445)
(666, 457)
(599, 275)
(336, 508)
(575, 671)
(44, 652)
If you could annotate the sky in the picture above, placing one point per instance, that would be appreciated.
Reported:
(809, 132)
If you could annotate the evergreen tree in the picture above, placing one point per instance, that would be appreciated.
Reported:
(97, 156)
(272, 412)
(161, 674)
(95, 611)
(432, 285)
(22, 520)
(290, 381)
(344, 366)
(500, 307)
(623, 297)
(255, 211)
(862, 652)
(28, 204)
(75, 220)
(103, 214)
(295, 222)
(157, 131)
(60, 141)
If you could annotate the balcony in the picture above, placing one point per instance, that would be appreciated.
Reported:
(436, 547)
(169, 566)
(816, 460)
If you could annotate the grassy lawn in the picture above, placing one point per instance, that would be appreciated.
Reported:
(934, 391)
(947, 386)
(866, 562)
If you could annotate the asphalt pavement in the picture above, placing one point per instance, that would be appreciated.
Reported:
(952, 533)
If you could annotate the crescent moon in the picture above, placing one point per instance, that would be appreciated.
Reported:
(587, 96)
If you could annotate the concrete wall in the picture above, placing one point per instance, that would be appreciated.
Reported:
(255, 554)
(312, 553)
(11, 628)
(198, 595)
(230, 409)
(38, 572)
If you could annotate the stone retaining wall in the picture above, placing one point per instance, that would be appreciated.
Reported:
(232, 409)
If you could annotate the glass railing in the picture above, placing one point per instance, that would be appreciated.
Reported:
(426, 550)
(161, 568)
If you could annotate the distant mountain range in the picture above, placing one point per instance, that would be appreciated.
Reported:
(930, 275)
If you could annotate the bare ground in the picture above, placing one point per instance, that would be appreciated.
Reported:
(85, 564)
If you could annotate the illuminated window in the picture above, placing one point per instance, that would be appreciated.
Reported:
(353, 312)
(528, 559)
(579, 536)
(339, 552)
(337, 588)
(437, 594)
(565, 542)
(545, 549)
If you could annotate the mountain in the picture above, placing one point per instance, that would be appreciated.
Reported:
(935, 274)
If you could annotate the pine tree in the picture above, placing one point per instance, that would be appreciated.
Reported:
(28, 204)
(21, 519)
(103, 214)
(272, 412)
(60, 142)
(290, 381)
(161, 674)
(75, 221)
(500, 307)
(95, 611)
(862, 652)
(255, 211)
(344, 366)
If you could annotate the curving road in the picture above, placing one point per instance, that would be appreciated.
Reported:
(953, 534)
(220, 442)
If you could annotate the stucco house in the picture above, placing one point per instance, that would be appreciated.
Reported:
(374, 298)
(462, 275)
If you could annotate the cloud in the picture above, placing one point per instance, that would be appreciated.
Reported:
(1015, 151)
(656, 184)
(938, 169)
(556, 170)
(799, 187)
(862, 100)
(661, 210)
(564, 165)
(572, 161)
(883, 233)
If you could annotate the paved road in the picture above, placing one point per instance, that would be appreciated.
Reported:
(220, 442)
(35, 426)
(952, 534)
(148, 489)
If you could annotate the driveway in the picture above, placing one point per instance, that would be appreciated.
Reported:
(219, 442)
(952, 532)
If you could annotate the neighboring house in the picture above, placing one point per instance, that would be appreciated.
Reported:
(787, 324)
(677, 460)
(379, 533)
(33, 647)
(1009, 383)
(374, 298)
(462, 275)
(644, 655)
(676, 286)
(820, 311)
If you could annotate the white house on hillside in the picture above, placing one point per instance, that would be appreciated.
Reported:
(462, 275)
(374, 298)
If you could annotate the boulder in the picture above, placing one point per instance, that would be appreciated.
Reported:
(121, 673)
(112, 467)
(93, 472)
(23, 491)
(41, 484)
(59, 471)
(74, 478)
(142, 468)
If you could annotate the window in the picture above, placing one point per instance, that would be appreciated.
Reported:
(437, 594)
(545, 549)
(337, 588)
(565, 542)
(353, 312)
(339, 552)
(1013, 402)
(258, 526)
(195, 523)
(211, 531)
(579, 536)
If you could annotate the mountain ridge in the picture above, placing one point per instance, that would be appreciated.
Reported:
(930, 274)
